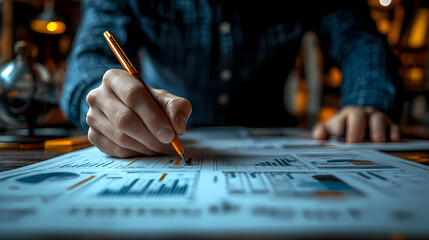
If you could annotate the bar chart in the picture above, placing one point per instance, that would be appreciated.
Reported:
(258, 163)
(343, 161)
(106, 163)
(283, 162)
(157, 162)
(161, 190)
(390, 182)
(288, 184)
(144, 185)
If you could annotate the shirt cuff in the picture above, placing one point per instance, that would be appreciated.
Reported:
(377, 98)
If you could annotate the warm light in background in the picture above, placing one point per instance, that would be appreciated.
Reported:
(334, 77)
(415, 75)
(301, 99)
(51, 26)
(419, 29)
(48, 27)
(48, 22)
(326, 113)
(383, 26)
(385, 2)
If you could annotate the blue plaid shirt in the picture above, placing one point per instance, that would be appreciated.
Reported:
(229, 58)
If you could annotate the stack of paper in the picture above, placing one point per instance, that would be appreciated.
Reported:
(237, 184)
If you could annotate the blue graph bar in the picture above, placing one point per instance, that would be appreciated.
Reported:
(363, 175)
(284, 162)
(289, 176)
(162, 190)
(377, 176)
(280, 163)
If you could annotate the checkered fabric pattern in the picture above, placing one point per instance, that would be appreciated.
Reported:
(229, 58)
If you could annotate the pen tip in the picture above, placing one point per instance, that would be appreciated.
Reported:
(184, 158)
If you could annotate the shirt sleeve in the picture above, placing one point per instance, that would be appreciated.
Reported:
(91, 56)
(370, 70)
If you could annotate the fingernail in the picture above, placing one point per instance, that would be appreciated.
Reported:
(165, 135)
(181, 122)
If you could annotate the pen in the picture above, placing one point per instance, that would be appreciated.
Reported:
(129, 67)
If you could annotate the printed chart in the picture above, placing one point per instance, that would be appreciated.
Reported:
(343, 161)
(288, 184)
(259, 163)
(143, 185)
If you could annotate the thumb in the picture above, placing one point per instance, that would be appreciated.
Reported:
(177, 109)
(320, 131)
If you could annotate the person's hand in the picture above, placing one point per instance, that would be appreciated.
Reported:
(352, 122)
(125, 121)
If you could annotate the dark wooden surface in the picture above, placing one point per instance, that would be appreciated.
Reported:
(15, 158)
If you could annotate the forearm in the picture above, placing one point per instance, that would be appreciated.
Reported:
(91, 56)
(370, 71)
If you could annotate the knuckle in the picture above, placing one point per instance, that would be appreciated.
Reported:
(170, 102)
(178, 104)
(109, 75)
(91, 98)
(379, 115)
(161, 92)
(132, 95)
(123, 120)
(181, 102)
(122, 139)
(92, 136)
(89, 117)
(152, 120)
(119, 152)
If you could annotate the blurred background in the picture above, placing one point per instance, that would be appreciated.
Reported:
(312, 88)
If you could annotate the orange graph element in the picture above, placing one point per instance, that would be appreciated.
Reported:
(162, 177)
(80, 183)
(361, 163)
(133, 161)
(330, 194)
(178, 161)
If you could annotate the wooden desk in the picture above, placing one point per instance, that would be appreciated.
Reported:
(26, 154)
(15, 158)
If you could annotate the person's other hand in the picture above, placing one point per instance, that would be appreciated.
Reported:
(352, 122)
(124, 121)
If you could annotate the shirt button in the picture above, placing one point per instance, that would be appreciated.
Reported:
(223, 99)
(225, 28)
(225, 75)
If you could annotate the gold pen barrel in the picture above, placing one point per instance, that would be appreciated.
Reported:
(119, 53)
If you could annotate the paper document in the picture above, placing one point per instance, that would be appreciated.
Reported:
(404, 145)
(234, 186)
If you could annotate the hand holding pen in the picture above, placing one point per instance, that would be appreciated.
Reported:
(128, 118)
